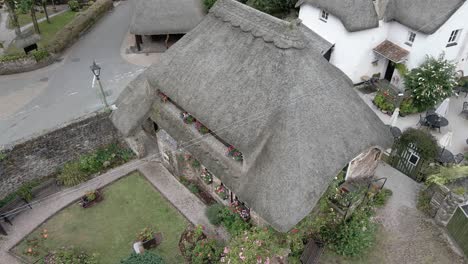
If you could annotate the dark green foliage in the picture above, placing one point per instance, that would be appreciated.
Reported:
(195, 164)
(206, 251)
(208, 3)
(145, 258)
(213, 212)
(233, 222)
(407, 107)
(24, 192)
(272, 6)
(193, 188)
(74, 5)
(12, 57)
(431, 82)
(75, 172)
(383, 103)
(424, 202)
(423, 140)
(353, 236)
(39, 55)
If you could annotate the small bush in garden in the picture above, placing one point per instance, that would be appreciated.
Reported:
(25, 193)
(384, 103)
(145, 234)
(145, 258)
(91, 196)
(353, 236)
(206, 251)
(407, 107)
(193, 188)
(431, 82)
(424, 202)
(214, 213)
(381, 198)
(39, 55)
(74, 5)
(12, 57)
(196, 164)
(233, 222)
(459, 190)
(423, 140)
(72, 174)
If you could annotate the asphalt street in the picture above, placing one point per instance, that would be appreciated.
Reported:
(41, 100)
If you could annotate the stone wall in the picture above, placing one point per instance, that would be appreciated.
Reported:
(443, 204)
(24, 65)
(44, 154)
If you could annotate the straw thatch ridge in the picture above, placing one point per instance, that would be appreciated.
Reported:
(161, 17)
(271, 94)
(425, 16)
(355, 15)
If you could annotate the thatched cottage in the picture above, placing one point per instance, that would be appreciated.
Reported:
(164, 20)
(263, 86)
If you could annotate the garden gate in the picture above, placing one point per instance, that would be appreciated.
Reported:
(407, 159)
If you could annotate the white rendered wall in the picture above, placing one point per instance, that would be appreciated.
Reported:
(353, 50)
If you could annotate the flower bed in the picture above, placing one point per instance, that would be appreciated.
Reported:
(206, 176)
(222, 192)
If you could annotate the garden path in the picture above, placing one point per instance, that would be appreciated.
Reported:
(186, 202)
(408, 235)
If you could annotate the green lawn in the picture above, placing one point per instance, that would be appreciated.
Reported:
(24, 19)
(110, 227)
(48, 31)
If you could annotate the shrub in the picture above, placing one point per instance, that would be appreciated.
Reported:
(431, 82)
(233, 222)
(272, 6)
(407, 107)
(424, 202)
(74, 5)
(459, 190)
(213, 212)
(40, 55)
(193, 188)
(206, 251)
(12, 57)
(424, 141)
(72, 174)
(145, 258)
(196, 164)
(70, 255)
(383, 103)
(208, 3)
(353, 236)
(145, 234)
(381, 198)
(448, 175)
(25, 193)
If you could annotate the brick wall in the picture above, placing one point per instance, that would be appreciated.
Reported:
(43, 155)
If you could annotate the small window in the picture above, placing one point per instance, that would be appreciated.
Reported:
(454, 38)
(413, 159)
(411, 38)
(324, 15)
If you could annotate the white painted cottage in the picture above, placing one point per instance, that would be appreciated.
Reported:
(371, 37)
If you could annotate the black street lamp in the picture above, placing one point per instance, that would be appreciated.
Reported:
(97, 72)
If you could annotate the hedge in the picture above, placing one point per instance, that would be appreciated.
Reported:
(82, 21)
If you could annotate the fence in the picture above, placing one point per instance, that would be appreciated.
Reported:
(458, 227)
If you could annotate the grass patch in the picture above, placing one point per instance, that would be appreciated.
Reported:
(24, 19)
(48, 31)
(110, 227)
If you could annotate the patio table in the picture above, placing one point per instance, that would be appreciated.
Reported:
(436, 121)
(445, 156)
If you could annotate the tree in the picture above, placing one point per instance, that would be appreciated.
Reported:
(11, 4)
(44, 6)
(431, 82)
(24, 6)
(272, 6)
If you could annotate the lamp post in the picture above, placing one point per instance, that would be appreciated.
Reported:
(97, 72)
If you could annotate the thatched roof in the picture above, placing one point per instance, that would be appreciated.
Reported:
(355, 15)
(161, 17)
(26, 38)
(263, 85)
(421, 15)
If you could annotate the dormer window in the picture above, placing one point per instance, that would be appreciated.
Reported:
(454, 38)
(324, 15)
(411, 38)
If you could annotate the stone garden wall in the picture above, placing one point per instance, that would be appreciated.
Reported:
(44, 154)
(443, 204)
(24, 65)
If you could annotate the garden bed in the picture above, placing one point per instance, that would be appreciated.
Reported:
(109, 229)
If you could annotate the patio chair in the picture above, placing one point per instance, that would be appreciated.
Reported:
(465, 109)
(422, 121)
(459, 158)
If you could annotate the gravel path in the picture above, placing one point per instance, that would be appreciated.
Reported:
(408, 236)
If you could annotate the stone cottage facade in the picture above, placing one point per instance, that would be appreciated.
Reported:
(253, 99)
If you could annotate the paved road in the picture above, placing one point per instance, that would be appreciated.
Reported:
(40, 100)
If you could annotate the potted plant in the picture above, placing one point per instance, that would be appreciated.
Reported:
(91, 198)
(147, 237)
(234, 153)
(163, 97)
(206, 176)
(187, 118)
(201, 128)
(222, 192)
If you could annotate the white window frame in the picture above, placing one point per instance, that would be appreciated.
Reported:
(323, 15)
(413, 154)
(411, 38)
(454, 36)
